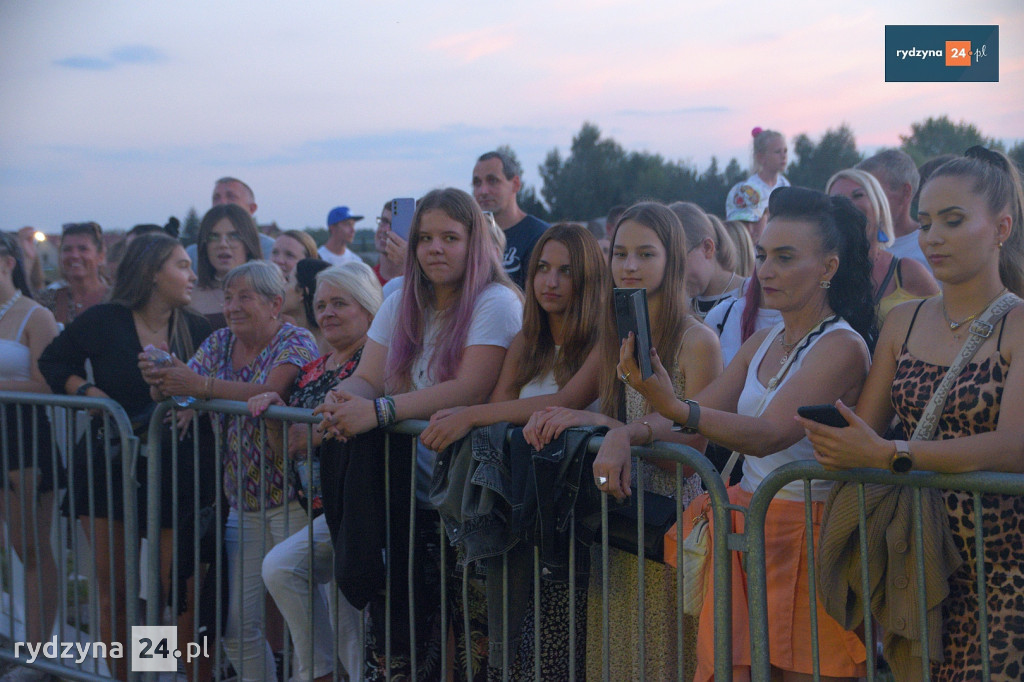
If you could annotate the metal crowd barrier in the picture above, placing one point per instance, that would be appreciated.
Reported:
(754, 542)
(117, 431)
(25, 425)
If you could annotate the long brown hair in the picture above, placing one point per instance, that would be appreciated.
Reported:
(133, 286)
(667, 329)
(243, 224)
(590, 286)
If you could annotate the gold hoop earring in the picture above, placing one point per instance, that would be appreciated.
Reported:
(824, 284)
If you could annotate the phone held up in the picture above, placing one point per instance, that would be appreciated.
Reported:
(631, 316)
(826, 414)
(401, 216)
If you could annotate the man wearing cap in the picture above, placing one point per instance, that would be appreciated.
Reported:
(495, 185)
(341, 225)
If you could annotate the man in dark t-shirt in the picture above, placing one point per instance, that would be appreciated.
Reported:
(495, 185)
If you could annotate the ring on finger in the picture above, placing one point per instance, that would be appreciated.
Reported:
(601, 480)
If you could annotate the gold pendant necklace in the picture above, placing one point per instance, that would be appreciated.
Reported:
(956, 324)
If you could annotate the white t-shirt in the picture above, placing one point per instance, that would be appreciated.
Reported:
(907, 246)
(764, 190)
(729, 328)
(498, 317)
(756, 468)
(335, 259)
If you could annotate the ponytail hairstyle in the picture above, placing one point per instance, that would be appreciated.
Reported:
(483, 268)
(582, 326)
(698, 225)
(996, 179)
(762, 138)
(134, 284)
(841, 228)
(674, 307)
(9, 246)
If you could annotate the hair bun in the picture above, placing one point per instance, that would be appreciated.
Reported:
(172, 227)
(756, 131)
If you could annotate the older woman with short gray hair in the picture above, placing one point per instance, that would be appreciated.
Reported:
(257, 352)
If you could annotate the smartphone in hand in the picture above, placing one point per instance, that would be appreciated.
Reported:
(401, 216)
(631, 316)
(829, 415)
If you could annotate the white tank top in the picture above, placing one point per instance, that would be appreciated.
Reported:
(756, 468)
(15, 357)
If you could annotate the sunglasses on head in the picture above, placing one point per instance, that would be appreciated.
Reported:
(82, 228)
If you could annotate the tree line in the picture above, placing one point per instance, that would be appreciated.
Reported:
(598, 173)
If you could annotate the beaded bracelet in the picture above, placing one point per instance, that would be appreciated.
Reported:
(385, 409)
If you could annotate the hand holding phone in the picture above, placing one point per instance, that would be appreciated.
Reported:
(631, 316)
(401, 216)
(828, 415)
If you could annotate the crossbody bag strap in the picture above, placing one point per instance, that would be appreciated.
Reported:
(979, 330)
(772, 385)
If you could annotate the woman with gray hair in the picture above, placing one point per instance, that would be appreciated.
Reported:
(346, 300)
(255, 353)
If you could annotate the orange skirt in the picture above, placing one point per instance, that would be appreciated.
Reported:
(840, 652)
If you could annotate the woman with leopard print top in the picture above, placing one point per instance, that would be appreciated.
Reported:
(971, 233)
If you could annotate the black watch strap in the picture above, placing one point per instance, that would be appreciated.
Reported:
(84, 387)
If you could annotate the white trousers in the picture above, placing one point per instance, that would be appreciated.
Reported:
(248, 536)
(293, 572)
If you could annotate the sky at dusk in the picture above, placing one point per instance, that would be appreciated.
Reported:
(126, 112)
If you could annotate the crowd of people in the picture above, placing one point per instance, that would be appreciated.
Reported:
(485, 315)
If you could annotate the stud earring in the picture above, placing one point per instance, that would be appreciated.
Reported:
(824, 284)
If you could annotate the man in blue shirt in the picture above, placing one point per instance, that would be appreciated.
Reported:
(495, 185)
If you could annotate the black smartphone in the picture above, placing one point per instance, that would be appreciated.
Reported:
(828, 415)
(631, 316)
(401, 216)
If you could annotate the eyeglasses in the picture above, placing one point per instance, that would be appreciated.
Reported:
(381, 221)
(231, 238)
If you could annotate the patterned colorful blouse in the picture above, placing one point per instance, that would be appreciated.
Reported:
(290, 346)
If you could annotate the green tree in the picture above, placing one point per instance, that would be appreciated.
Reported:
(817, 162)
(527, 195)
(1016, 154)
(190, 230)
(937, 136)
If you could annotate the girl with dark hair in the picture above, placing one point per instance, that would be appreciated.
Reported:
(649, 252)
(27, 475)
(82, 254)
(153, 286)
(228, 237)
(437, 343)
(971, 234)
(554, 360)
(813, 267)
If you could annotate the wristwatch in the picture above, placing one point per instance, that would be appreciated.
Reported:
(691, 420)
(83, 388)
(901, 461)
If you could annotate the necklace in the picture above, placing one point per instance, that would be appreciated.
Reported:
(955, 324)
(7, 306)
(787, 348)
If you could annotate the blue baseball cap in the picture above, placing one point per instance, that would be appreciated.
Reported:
(339, 213)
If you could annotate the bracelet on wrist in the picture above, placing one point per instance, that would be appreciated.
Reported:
(650, 431)
(84, 387)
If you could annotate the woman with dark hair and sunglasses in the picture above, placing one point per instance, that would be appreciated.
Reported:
(27, 479)
(813, 267)
(82, 255)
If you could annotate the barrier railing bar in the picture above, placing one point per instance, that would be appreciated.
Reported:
(812, 593)
(865, 584)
